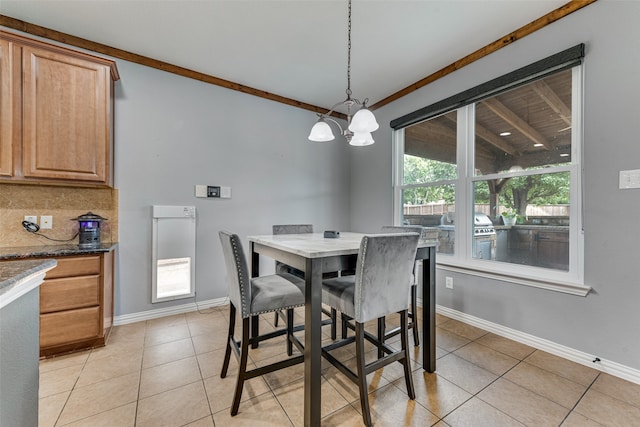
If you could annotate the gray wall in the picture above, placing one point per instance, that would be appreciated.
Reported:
(19, 351)
(605, 322)
(172, 133)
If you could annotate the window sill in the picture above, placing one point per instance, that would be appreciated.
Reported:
(520, 279)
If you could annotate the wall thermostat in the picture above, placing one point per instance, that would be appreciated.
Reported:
(213, 191)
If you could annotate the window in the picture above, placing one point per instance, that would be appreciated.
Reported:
(497, 174)
(430, 175)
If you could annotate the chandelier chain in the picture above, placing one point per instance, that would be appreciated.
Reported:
(358, 131)
(349, 54)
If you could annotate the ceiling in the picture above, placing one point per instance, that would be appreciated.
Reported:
(295, 49)
(526, 127)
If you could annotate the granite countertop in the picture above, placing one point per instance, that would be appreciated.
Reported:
(533, 227)
(21, 252)
(20, 276)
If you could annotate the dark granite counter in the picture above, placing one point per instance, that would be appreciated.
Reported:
(19, 277)
(533, 227)
(21, 252)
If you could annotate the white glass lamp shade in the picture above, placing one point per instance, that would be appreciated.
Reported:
(360, 139)
(321, 132)
(363, 121)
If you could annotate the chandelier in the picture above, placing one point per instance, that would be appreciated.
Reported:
(360, 126)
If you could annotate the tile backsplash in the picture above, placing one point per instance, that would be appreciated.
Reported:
(63, 204)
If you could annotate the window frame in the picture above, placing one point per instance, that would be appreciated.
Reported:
(571, 281)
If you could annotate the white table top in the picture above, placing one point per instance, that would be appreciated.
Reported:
(312, 245)
(315, 245)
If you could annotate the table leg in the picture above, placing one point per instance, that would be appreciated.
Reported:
(312, 342)
(255, 272)
(429, 311)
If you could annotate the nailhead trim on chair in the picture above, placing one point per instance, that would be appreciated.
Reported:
(240, 279)
(246, 311)
(271, 311)
(358, 297)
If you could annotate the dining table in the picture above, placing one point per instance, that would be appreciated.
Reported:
(313, 253)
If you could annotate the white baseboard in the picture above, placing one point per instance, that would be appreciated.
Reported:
(168, 311)
(607, 366)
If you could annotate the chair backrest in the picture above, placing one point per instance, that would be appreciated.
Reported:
(402, 229)
(383, 274)
(292, 229)
(236, 263)
(405, 229)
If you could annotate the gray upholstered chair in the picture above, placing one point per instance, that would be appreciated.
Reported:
(290, 229)
(280, 267)
(413, 317)
(378, 288)
(284, 268)
(252, 297)
(413, 313)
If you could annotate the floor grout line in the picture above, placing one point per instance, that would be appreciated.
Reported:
(158, 326)
(581, 397)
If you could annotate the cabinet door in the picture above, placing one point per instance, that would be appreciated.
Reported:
(71, 266)
(69, 293)
(552, 249)
(66, 327)
(65, 117)
(7, 97)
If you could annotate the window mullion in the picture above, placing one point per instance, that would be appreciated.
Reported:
(576, 244)
(397, 174)
(464, 207)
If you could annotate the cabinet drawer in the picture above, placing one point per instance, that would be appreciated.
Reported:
(68, 293)
(68, 326)
(75, 266)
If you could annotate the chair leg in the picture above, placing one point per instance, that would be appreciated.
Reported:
(275, 319)
(289, 331)
(255, 330)
(334, 325)
(381, 331)
(343, 322)
(362, 376)
(227, 353)
(414, 315)
(406, 361)
(242, 368)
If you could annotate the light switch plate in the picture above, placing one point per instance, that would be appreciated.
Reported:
(629, 179)
(225, 192)
(201, 191)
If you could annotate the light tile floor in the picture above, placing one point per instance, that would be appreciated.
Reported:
(166, 372)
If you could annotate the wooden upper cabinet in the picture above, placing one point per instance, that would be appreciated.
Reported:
(6, 108)
(64, 132)
(65, 117)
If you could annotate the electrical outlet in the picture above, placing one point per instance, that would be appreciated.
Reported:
(448, 282)
(31, 218)
(46, 221)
